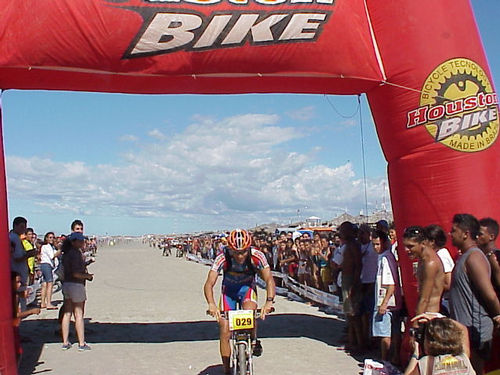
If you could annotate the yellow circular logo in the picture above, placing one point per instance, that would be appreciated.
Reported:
(458, 106)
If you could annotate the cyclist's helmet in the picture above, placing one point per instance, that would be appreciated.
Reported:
(239, 240)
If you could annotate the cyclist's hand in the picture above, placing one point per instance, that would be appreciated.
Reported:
(266, 309)
(214, 311)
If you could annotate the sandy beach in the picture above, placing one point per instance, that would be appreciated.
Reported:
(145, 314)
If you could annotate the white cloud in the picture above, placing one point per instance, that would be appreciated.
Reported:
(128, 138)
(349, 123)
(303, 114)
(156, 133)
(215, 173)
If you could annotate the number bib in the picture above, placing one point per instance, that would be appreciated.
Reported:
(240, 319)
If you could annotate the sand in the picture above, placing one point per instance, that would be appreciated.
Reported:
(145, 314)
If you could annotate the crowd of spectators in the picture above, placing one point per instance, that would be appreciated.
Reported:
(360, 264)
(38, 263)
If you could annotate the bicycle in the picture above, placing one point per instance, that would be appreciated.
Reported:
(241, 326)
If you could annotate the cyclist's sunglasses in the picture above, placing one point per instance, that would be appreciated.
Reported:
(238, 252)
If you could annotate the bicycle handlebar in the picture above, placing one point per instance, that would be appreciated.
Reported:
(257, 312)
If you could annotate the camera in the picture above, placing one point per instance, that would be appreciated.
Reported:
(418, 333)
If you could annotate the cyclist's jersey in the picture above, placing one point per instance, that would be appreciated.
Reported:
(240, 274)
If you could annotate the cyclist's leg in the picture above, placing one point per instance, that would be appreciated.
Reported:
(249, 302)
(224, 344)
(226, 303)
(248, 297)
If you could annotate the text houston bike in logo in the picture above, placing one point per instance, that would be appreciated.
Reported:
(458, 106)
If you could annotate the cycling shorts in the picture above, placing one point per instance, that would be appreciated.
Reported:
(234, 296)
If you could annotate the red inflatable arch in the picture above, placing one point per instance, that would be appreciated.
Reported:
(421, 64)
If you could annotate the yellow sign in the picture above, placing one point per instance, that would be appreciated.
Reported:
(241, 319)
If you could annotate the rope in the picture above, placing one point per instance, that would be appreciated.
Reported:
(338, 112)
(410, 89)
(363, 155)
(358, 110)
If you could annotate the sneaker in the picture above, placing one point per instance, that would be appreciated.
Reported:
(83, 348)
(66, 347)
(257, 349)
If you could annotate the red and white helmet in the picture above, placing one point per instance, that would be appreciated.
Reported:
(239, 240)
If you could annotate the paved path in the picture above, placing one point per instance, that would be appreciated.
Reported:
(146, 315)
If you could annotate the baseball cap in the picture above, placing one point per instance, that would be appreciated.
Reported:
(383, 223)
(76, 236)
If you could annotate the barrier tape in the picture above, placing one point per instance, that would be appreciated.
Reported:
(293, 287)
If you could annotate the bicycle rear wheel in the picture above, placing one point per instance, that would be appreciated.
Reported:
(242, 359)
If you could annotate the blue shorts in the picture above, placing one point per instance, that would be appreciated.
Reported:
(386, 325)
(234, 296)
(46, 272)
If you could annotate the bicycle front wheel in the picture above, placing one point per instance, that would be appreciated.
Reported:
(242, 359)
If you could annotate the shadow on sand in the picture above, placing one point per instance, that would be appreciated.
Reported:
(44, 331)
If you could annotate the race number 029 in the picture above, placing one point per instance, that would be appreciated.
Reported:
(241, 319)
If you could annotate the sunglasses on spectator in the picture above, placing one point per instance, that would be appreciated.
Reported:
(412, 231)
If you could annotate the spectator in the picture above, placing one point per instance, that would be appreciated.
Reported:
(473, 301)
(77, 226)
(437, 240)
(304, 270)
(394, 241)
(383, 226)
(75, 276)
(446, 346)
(430, 274)
(386, 317)
(289, 260)
(488, 233)
(28, 245)
(337, 241)
(48, 263)
(336, 265)
(325, 271)
(18, 291)
(314, 262)
(369, 258)
(351, 285)
(18, 256)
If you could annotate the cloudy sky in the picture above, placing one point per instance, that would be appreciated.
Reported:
(132, 164)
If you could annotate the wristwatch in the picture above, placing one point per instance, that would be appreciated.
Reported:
(270, 299)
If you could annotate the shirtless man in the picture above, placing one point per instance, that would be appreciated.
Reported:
(351, 284)
(430, 273)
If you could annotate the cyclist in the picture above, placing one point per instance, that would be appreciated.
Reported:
(240, 262)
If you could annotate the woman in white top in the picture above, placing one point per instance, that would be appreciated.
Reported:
(48, 263)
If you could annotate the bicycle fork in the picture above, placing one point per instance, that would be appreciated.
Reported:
(242, 354)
